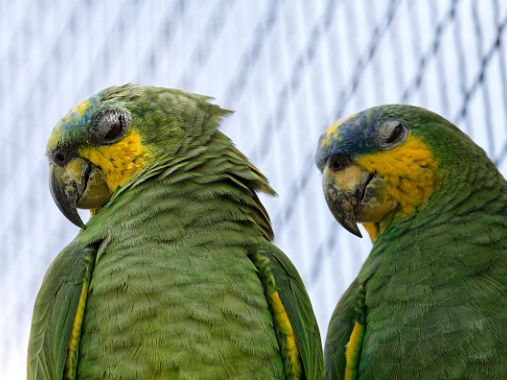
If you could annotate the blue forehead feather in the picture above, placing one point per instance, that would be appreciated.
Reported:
(72, 129)
(356, 136)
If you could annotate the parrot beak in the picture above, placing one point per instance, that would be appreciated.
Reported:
(354, 195)
(343, 190)
(78, 184)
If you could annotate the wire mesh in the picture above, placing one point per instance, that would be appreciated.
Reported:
(288, 68)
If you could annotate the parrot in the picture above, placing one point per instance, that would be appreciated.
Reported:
(175, 275)
(430, 300)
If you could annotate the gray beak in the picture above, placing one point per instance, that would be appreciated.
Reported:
(342, 207)
(66, 188)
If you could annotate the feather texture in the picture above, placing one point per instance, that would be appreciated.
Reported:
(173, 293)
(434, 287)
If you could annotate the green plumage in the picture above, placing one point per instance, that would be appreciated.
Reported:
(174, 293)
(435, 282)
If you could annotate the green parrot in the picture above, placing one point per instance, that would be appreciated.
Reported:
(430, 301)
(174, 276)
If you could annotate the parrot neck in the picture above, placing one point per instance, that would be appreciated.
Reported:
(468, 204)
(210, 187)
(466, 182)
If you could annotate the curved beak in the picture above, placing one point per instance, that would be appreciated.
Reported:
(67, 184)
(78, 184)
(343, 191)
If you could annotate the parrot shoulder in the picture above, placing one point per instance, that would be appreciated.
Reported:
(297, 330)
(58, 314)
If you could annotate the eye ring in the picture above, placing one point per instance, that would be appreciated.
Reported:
(392, 133)
(116, 128)
(110, 126)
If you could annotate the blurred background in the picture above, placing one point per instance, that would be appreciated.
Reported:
(288, 69)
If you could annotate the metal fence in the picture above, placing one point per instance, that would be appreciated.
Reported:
(288, 68)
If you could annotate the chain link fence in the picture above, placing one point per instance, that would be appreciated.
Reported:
(288, 68)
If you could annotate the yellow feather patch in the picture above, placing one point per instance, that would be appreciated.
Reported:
(353, 351)
(408, 171)
(55, 136)
(285, 326)
(81, 108)
(372, 229)
(78, 111)
(75, 113)
(119, 161)
(76, 332)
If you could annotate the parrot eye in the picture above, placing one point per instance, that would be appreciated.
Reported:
(392, 133)
(338, 162)
(110, 126)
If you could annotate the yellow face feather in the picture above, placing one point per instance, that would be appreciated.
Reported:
(119, 161)
(372, 229)
(79, 110)
(408, 171)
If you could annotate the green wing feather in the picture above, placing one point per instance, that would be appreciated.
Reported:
(339, 331)
(299, 309)
(55, 311)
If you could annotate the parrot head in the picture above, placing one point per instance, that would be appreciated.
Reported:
(104, 143)
(386, 163)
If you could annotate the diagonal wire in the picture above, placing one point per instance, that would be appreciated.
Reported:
(461, 65)
(485, 60)
(479, 78)
(363, 62)
(202, 52)
(440, 64)
(292, 86)
(431, 53)
(416, 38)
(163, 37)
(376, 65)
(503, 78)
(250, 57)
(331, 241)
(41, 79)
(120, 25)
(399, 57)
(325, 249)
(300, 184)
(485, 92)
(502, 60)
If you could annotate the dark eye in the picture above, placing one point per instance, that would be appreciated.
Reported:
(395, 134)
(338, 162)
(392, 133)
(110, 126)
(116, 128)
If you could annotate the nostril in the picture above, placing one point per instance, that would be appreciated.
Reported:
(61, 157)
(339, 162)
